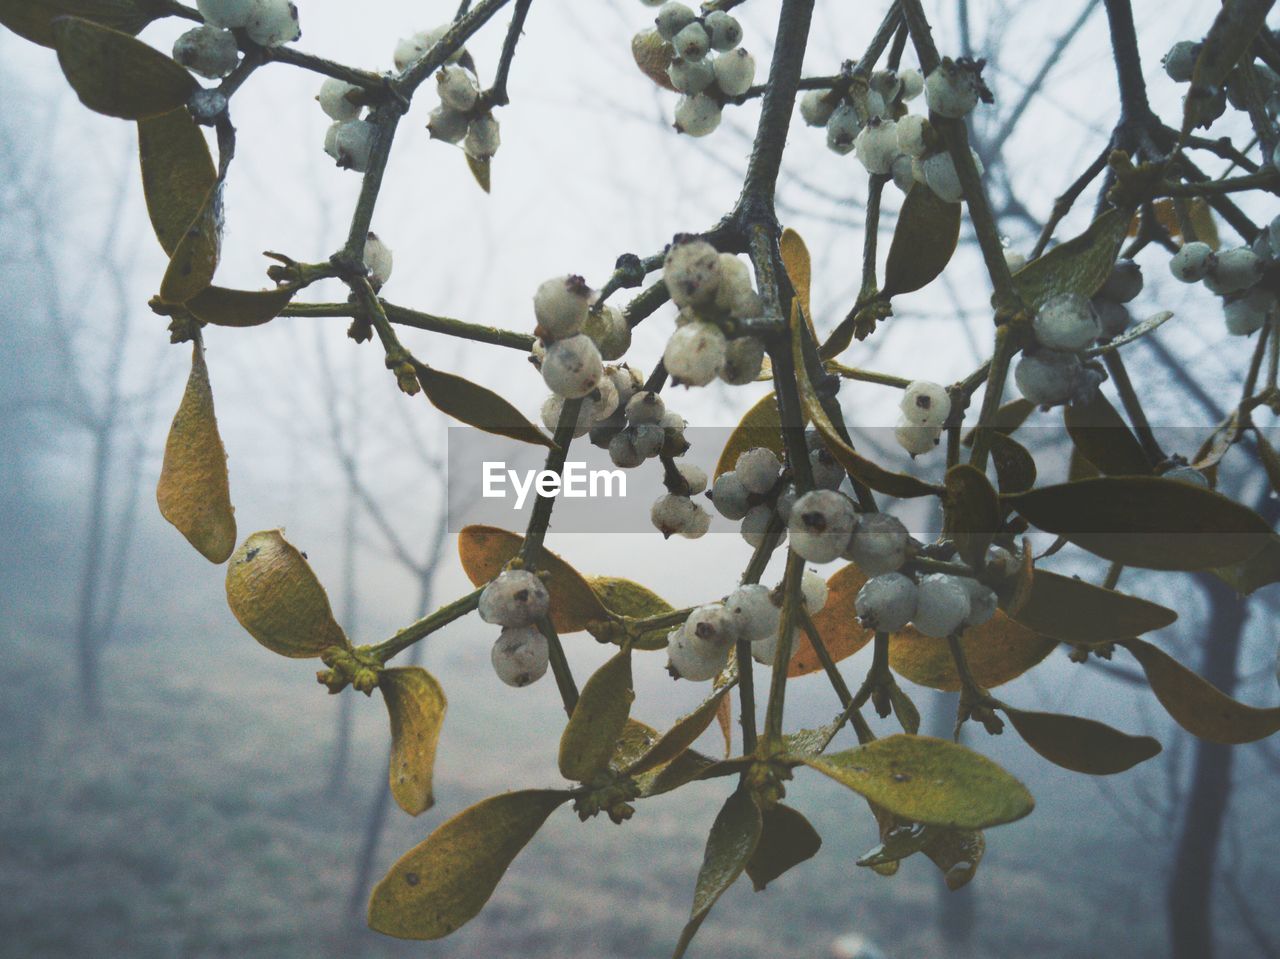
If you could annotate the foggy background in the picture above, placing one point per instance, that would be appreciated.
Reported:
(219, 803)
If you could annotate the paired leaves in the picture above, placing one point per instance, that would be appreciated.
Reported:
(476, 406)
(194, 493)
(928, 781)
(1080, 613)
(923, 242)
(591, 737)
(416, 706)
(787, 839)
(625, 597)
(998, 651)
(1081, 745)
(1080, 265)
(277, 598)
(115, 74)
(445, 881)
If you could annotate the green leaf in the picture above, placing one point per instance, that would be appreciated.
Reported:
(591, 737)
(177, 173)
(998, 651)
(1228, 40)
(957, 853)
(929, 781)
(1104, 439)
(925, 238)
(240, 308)
(193, 492)
(1258, 571)
(115, 74)
(733, 838)
(972, 512)
(837, 625)
(1196, 705)
(787, 839)
(1080, 265)
(1015, 467)
(1080, 613)
(676, 740)
(761, 426)
(416, 705)
(277, 598)
(195, 258)
(1081, 745)
(33, 19)
(480, 168)
(625, 597)
(486, 550)
(445, 881)
(634, 741)
(476, 406)
(1147, 522)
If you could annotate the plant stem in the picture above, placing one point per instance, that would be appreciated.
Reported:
(426, 626)
(791, 604)
(402, 316)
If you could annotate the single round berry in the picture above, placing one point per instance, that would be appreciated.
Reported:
(572, 367)
(335, 99)
(691, 272)
(628, 380)
(694, 663)
(953, 88)
(411, 49)
(225, 13)
(729, 496)
(912, 83)
(378, 261)
(649, 438)
(879, 544)
(915, 439)
(672, 18)
(623, 452)
(692, 42)
(725, 30)
(691, 76)
(813, 591)
(765, 650)
(816, 107)
(695, 354)
(447, 125)
(886, 602)
(758, 469)
(1180, 61)
(1124, 282)
(1113, 317)
(877, 145)
(351, 144)
(820, 525)
(694, 477)
(910, 133)
(843, 128)
(982, 602)
(942, 605)
(1047, 378)
(1067, 322)
(1014, 260)
(904, 171)
(645, 407)
(1248, 312)
(516, 597)
(753, 612)
(457, 88)
(735, 72)
(673, 514)
(755, 525)
(940, 176)
(697, 115)
(743, 360)
(520, 656)
(560, 306)
(734, 293)
(483, 137)
(1233, 271)
(1191, 263)
(925, 404)
(826, 469)
(212, 53)
(553, 409)
(711, 630)
(273, 23)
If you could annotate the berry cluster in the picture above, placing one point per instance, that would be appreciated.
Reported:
(1180, 64)
(516, 600)
(1236, 276)
(937, 604)
(268, 23)
(925, 407)
(701, 59)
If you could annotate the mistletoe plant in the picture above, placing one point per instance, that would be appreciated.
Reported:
(968, 612)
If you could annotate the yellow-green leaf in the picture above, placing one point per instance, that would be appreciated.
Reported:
(486, 550)
(972, 512)
(223, 307)
(1104, 439)
(923, 241)
(591, 737)
(1080, 265)
(33, 19)
(787, 839)
(1228, 40)
(1198, 706)
(1147, 522)
(761, 426)
(416, 705)
(653, 55)
(837, 624)
(1081, 745)
(625, 597)
(115, 74)
(928, 781)
(177, 173)
(476, 406)
(445, 881)
(481, 169)
(277, 598)
(1080, 613)
(998, 651)
(799, 267)
(195, 258)
(193, 492)
(733, 838)
(676, 740)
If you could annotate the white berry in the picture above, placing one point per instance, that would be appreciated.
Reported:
(697, 115)
(925, 404)
(820, 525)
(692, 42)
(1247, 313)
(910, 134)
(941, 177)
(711, 630)
(752, 610)
(886, 602)
(982, 602)
(691, 76)
(691, 271)
(758, 469)
(694, 663)
(483, 137)
(520, 656)
(335, 99)
(273, 23)
(917, 440)
(725, 30)
(952, 89)
(743, 360)
(447, 125)
(1180, 61)
(843, 128)
(735, 72)
(672, 18)
(572, 367)
(755, 525)
(608, 328)
(225, 13)
(1124, 282)
(208, 51)
(351, 144)
(378, 260)
(1067, 322)
(560, 306)
(695, 354)
(1047, 378)
(457, 88)
(942, 605)
(516, 597)
(816, 107)
(813, 591)
(1232, 271)
(1191, 263)
(729, 496)
(879, 545)
(877, 145)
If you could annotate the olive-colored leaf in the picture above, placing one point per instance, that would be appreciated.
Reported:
(241, 308)
(682, 735)
(591, 737)
(1261, 569)
(923, 241)
(1148, 522)
(476, 406)
(811, 742)
(486, 550)
(1079, 468)
(193, 492)
(1080, 265)
(444, 881)
(1198, 706)
(1227, 41)
(115, 74)
(277, 598)
(904, 709)
(634, 741)
(1081, 613)
(416, 705)
(787, 839)
(33, 19)
(177, 173)
(837, 624)
(761, 426)
(1015, 467)
(900, 485)
(972, 512)
(956, 852)
(653, 55)
(1104, 439)
(998, 651)
(1081, 745)
(733, 838)
(195, 258)
(481, 169)
(799, 267)
(928, 781)
(686, 768)
(625, 597)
